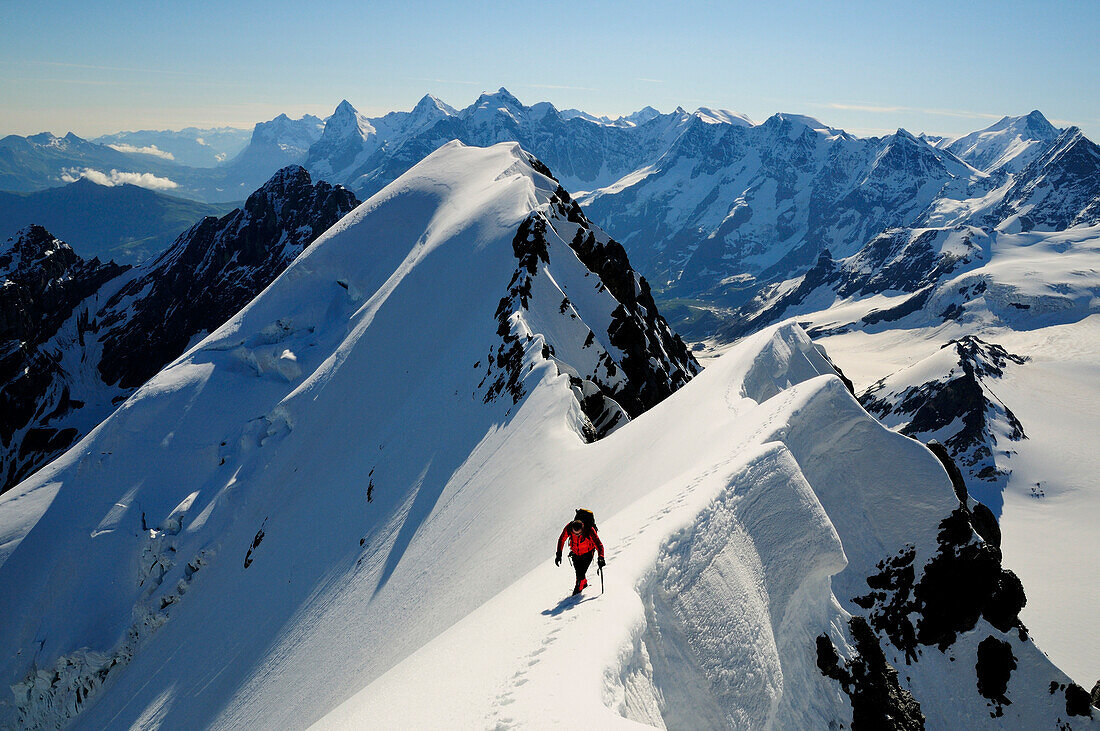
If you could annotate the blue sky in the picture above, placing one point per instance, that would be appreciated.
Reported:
(869, 67)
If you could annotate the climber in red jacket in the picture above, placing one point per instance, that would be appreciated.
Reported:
(583, 542)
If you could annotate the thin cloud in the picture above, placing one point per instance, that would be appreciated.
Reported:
(554, 86)
(83, 82)
(113, 178)
(150, 150)
(886, 109)
(61, 64)
(450, 81)
(649, 81)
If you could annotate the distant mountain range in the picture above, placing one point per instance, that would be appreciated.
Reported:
(126, 223)
(190, 146)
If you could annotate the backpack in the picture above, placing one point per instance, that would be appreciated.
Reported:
(587, 519)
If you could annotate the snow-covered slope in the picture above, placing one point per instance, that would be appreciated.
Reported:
(986, 341)
(86, 337)
(341, 506)
(732, 576)
(728, 203)
(1008, 146)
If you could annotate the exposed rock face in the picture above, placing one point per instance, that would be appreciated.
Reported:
(958, 409)
(1007, 146)
(41, 282)
(958, 602)
(633, 364)
(871, 683)
(995, 665)
(1059, 189)
(656, 361)
(80, 338)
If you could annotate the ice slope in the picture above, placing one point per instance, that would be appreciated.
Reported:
(294, 460)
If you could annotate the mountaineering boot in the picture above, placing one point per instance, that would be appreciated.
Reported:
(583, 585)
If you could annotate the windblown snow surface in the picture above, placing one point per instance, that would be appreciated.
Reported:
(325, 512)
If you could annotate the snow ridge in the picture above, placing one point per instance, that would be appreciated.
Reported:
(286, 374)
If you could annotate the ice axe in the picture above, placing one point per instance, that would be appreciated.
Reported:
(600, 572)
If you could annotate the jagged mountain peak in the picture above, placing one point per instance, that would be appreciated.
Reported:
(432, 106)
(903, 153)
(1034, 124)
(282, 125)
(29, 247)
(722, 116)
(643, 115)
(1006, 146)
(501, 97)
(953, 402)
(1070, 165)
(798, 121)
(1038, 124)
(49, 139)
(346, 123)
(507, 96)
(289, 177)
(488, 107)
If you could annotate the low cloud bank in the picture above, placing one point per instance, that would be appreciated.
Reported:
(149, 150)
(143, 180)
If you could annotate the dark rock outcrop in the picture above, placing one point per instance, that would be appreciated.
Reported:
(870, 682)
(962, 582)
(960, 408)
(42, 281)
(651, 363)
(994, 668)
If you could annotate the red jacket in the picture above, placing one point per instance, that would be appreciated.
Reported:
(586, 542)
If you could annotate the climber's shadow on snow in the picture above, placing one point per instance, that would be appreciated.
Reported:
(566, 604)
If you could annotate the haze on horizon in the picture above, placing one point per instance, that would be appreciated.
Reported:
(937, 68)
